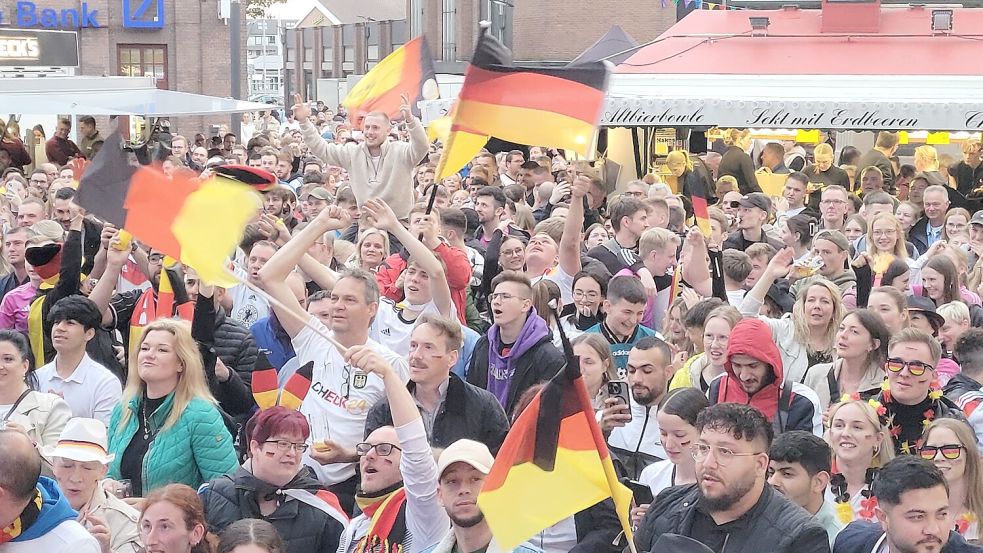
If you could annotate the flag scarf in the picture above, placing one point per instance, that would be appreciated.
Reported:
(408, 70)
(546, 106)
(553, 464)
(199, 223)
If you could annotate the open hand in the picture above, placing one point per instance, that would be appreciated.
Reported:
(300, 109)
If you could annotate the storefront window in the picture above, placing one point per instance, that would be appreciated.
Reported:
(144, 60)
(449, 30)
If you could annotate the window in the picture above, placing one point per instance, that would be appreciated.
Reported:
(143, 60)
(416, 17)
(448, 30)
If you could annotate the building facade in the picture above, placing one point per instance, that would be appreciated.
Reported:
(264, 58)
(184, 44)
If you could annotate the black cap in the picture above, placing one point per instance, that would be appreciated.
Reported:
(927, 307)
(759, 200)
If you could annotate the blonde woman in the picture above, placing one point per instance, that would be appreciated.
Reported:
(736, 162)
(690, 182)
(371, 250)
(168, 427)
(805, 338)
(926, 158)
(700, 370)
(951, 445)
(861, 444)
(823, 171)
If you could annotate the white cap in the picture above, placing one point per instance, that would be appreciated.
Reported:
(81, 440)
(471, 452)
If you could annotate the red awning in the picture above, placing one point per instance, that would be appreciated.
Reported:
(720, 42)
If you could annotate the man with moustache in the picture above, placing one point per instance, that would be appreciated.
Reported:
(731, 507)
(913, 511)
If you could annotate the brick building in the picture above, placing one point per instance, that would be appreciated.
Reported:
(342, 38)
(184, 44)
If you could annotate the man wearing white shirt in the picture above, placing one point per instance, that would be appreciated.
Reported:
(340, 395)
(90, 389)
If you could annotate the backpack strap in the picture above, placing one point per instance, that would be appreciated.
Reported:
(834, 388)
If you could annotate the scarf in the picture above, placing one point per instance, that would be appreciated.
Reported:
(46, 510)
(23, 522)
(501, 367)
(387, 514)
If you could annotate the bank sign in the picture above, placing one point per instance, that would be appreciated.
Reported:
(137, 14)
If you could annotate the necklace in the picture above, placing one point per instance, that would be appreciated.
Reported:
(146, 422)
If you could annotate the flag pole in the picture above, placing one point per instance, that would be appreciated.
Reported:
(290, 312)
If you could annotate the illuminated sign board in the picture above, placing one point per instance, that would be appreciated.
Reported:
(30, 48)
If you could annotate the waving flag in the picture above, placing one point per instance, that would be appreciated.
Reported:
(553, 464)
(409, 70)
(197, 222)
(546, 106)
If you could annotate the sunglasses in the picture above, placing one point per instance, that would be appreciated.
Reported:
(949, 451)
(916, 368)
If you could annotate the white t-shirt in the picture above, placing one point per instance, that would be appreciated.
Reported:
(340, 396)
(735, 297)
(391, 329)
(247, 306)
(562, 280)
(91, 391)
(67, 536)
(657, 476)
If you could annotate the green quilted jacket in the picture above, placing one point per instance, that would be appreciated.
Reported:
(196, 449)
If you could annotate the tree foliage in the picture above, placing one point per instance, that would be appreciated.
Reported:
(257, 8)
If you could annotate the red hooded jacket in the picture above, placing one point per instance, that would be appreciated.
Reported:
(751, 337)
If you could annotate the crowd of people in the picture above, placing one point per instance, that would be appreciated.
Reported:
(805, 377)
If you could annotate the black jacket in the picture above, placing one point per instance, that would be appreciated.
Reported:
(234, 397)
(467, 412)
(960, 385)
(598, 528)
(304, 528)
(540, 363)
(9, 281)
(917, 235)
(861, 537)
(876, 158)
(774, 524)
(738, 164)
(235, 346)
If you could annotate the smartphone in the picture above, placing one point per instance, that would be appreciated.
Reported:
(641, 493)
(618, 389)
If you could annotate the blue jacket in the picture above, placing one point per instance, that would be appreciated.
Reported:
(194, 450)
(861, 537)
(273, 341)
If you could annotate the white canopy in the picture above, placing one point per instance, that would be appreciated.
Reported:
(848, 102)
(110, 96)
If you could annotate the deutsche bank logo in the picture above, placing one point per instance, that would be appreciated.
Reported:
(143, 14)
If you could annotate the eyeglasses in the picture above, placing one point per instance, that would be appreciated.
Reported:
(346, 377)
(512, 253)
(949, 451)
(723, 455)
(504, 296)
(887, 232)
(284, 446)
(580, 294)
(916, 368)
(827, 202)
(383, 450)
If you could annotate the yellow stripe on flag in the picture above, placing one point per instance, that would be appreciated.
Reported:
(209, 227)
(526, 126)
(382, 78)
(459, 149)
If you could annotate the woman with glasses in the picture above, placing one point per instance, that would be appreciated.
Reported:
(274, 486)
(590, 287)
(951, 445)
(168, 427)
(596, 364)
(859, 438)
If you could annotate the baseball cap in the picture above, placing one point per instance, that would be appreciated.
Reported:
(467, 451)
(977, 218)
(758, 200)
(835, 237)
(320, 193)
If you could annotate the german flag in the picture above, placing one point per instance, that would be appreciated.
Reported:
(264, 383)
(548, 106)
(553, 464)
(701, 211)
(296, 388)
(409, 70)
(198, 222)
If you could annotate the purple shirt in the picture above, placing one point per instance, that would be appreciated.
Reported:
(15, 307)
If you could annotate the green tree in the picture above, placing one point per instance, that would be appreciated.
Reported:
(257, 8)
